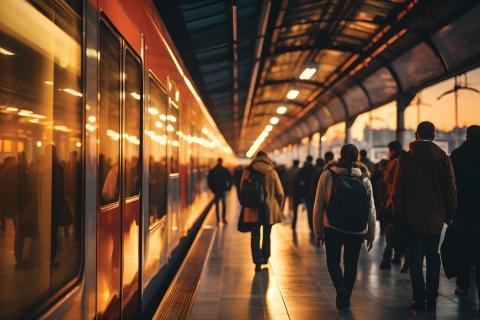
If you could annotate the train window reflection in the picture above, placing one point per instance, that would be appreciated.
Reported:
(173, 139)
(40, 148)
(156, 133)
(133, 104)
(109, 124)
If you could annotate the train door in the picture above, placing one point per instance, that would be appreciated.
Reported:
(118, 219)
(173, 170)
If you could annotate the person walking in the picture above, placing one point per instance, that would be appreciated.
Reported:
(220, 181)
(291, 195)
(302, 184)
(366, 161)
(261, 197)
(465, 160)
(424, 196)
(329, 157)
(344, 217)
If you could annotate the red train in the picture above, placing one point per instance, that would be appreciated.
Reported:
(104, 149)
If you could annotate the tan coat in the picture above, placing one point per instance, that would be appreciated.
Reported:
(274, 192)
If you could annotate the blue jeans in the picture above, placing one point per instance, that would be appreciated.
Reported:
(420, 247)
(220, 196)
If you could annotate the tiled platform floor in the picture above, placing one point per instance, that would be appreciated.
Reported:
(295, 284)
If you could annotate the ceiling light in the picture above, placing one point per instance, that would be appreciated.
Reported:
(307, 73)
(6, 52)
(48, 83)
(268, 127)
(292, 94)
(281, 110)
(274, 120)
(12, 109)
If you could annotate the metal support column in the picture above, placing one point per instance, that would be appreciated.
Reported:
(348, 126)
(403, 102)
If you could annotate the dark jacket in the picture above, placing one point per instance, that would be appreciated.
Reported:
(303, 182)
(465, 161)
(219, 179)
(424, 190)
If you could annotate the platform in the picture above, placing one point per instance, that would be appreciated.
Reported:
(296, 285)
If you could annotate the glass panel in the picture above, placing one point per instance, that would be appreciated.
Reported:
(337, 110)
(380, 86)
(356, 101)
(157, 162)
(458, 41)
(373, 130)
(109, 124)
(427, 107)
(173, 143)
(40, 165)
(334, 139)
(324, 116)
(416, 66)
(133, 107)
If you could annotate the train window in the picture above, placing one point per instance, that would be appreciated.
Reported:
(109, 124)
(173, 138)
(40, 162)
(156, 132)
(133, 105)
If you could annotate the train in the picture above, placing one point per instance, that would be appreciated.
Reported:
(105, 145)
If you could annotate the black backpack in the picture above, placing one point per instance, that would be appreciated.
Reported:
(252, 191)
(349, 205)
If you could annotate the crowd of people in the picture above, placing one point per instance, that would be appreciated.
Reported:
(414, 196)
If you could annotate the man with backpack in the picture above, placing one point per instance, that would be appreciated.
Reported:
(344, 216)
(220, 181)
(261, 196)
(424, 197)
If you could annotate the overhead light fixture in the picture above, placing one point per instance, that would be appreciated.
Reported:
(307, 73)
(292, 94)
(268, 127)
(5, 52)
(48, 83)
(274, 120)
(71, 92)
(281, 110)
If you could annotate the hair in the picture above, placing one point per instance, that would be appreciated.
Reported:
(329, 156)
(262, 154)
(296, 163)
(363, 153)
(473, 134)
(348, 156)
(426, 130)
(219, 161)
(309, 158)
(320, 162)
(395, 146)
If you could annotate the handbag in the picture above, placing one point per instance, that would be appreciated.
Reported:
(242, 226)
(451, 253)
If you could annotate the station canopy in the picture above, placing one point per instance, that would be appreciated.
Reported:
(325, 61)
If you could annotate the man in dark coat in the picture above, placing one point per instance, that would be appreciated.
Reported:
(220, 181)
(424, 195)
(302, 184)
(465, 161)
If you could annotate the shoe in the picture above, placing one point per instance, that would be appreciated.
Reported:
(404, 268)
(342, 298)
(258, 268)
(225, 222)
(461, 292)
(385, 265)
(264, 260)
(417, 306)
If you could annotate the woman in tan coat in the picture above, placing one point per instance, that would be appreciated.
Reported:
(274, 197)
